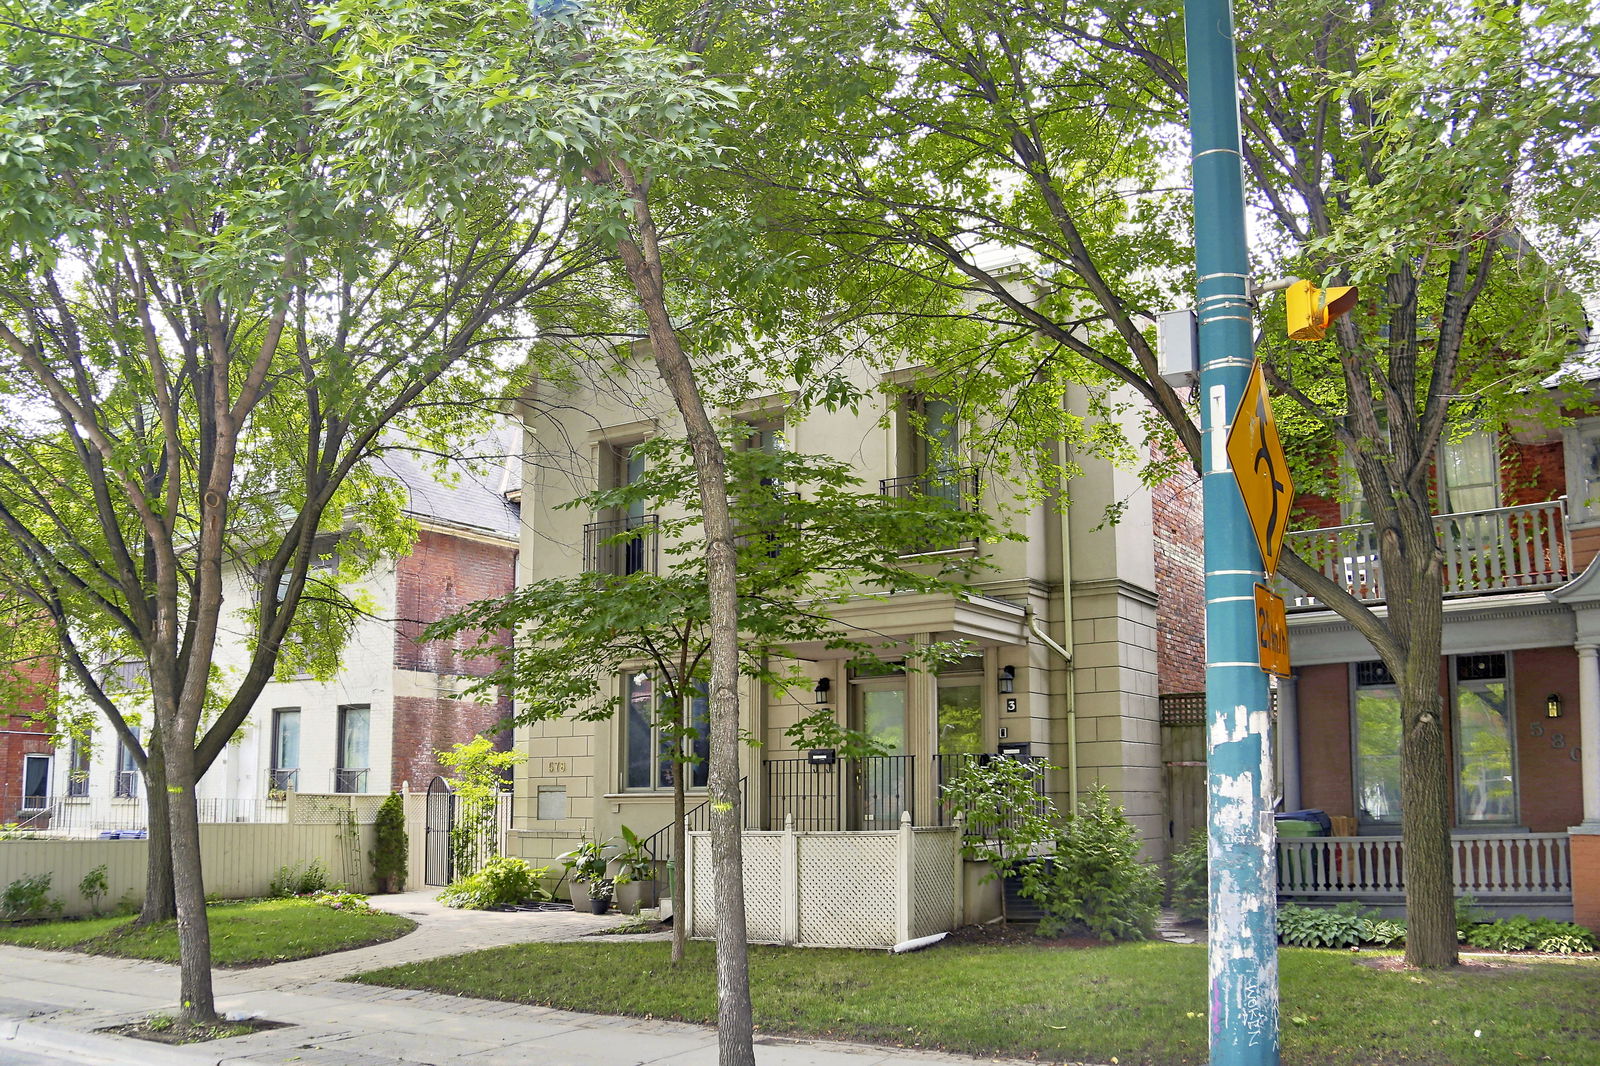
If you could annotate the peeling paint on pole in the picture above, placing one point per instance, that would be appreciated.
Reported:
(1243, 905)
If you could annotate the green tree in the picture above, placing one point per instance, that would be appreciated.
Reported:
(391, 845)
(480, 773)
(1410, 150)
(810, 539)
(217, 303)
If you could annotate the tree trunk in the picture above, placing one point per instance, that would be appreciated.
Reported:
(641, 258)
(680, 835)
(194, 933)
(1414, 590)
(159, 902)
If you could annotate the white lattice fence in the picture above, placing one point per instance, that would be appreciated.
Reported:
(936, 867)
(860, 890)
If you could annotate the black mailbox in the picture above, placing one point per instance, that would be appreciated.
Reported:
(822, 757)
(1019, 750)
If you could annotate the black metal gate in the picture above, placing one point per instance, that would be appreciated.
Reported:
(438, 865)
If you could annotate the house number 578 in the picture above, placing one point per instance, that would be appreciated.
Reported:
(555, 766)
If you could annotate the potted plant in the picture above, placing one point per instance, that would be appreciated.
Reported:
(600, 893)
(586, 866)
(635, 873)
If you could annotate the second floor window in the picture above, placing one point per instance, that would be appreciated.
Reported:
(607, 546)
(1469, 474)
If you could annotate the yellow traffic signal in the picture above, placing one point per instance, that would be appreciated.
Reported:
(1311, 308)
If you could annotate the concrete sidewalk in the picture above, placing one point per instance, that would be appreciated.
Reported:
(54, 1002)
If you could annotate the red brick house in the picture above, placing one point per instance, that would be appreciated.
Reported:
(1519, 528)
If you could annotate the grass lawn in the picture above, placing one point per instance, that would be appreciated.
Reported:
(1142, 1003)
(247, 933)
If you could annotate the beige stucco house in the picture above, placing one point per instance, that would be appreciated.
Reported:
(1063, 633)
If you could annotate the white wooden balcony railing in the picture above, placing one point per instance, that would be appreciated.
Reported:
(1506, 549)
(1523, 865)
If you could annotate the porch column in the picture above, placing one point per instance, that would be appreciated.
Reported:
(1589, 732)
(1289, 741)
(1585, 838)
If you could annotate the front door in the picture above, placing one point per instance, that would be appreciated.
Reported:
(885, 784)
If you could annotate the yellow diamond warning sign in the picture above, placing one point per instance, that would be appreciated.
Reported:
(1256, 456)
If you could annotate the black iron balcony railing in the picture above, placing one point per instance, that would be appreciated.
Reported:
(350, 779)
(621, 546)
(959, 488)
(283, 779)
(948, 767)
(1507, 549)
(847, 794)
(77, 785)
(768, 523)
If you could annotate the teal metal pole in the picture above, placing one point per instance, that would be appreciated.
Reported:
(1242, 924)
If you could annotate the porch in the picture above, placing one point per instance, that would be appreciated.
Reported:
(1507, 549)
(1522, 873)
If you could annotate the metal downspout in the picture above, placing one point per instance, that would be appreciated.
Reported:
(1064, 652)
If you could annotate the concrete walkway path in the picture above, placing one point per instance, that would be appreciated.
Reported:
(53, 1003)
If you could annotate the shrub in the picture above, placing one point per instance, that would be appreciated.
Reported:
(502, 881)
(1468, 915)
(1094, 882)
(1568, 943)
(28, 897)
(1190, 875)
(1342, 926)
(352, 902)
(1384, 932)
(390, 849)
(293, 881)
(93, 886)
(1524, 934)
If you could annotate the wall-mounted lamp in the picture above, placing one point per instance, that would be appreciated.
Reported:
(824, 690)
(1007, 679)
(1552, 705)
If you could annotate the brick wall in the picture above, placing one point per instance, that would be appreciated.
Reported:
(1180, 584)
(443, 574)
(1549, 781)
(21, 735)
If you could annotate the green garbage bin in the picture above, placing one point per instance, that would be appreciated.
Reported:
(1292, 867)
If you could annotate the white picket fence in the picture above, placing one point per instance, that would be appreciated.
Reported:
(1488, 866)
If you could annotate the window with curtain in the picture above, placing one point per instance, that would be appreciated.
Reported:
(1469, 474)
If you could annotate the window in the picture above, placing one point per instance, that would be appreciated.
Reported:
(1486, 792)
(1377, 742)
(605, 548)
(959, 715)
(78, 768)
(1469, 474)
(647, 740)
(355, 724)
(285, 769)
(1583, 471)
(35, 782)
(126, 785)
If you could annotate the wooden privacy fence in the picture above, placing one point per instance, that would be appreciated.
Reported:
(1488, 866)
(239, 860)
(826, 889)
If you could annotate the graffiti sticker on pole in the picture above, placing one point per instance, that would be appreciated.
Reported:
(1260, 468)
